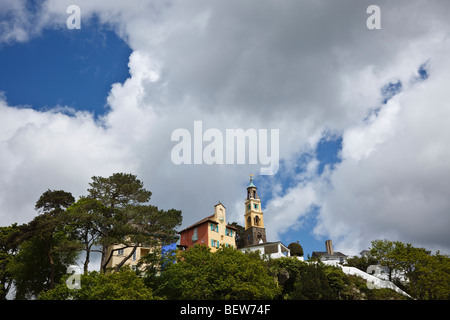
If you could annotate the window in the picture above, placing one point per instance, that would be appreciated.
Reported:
(134, 255)
(215, 243)
(214, 227)
(195, 236)
(248, 207)
(120, 252)
(255, 205)
(229, 232)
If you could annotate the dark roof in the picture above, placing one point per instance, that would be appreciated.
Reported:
(322, 253)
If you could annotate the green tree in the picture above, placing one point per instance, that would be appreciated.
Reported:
(9, 247)
(45, 248)
(122, 285)
(224, 274)
(296, 249)
(362, 263)
(386, 253)
(86, 219)
(239, 234)
(337, 280)
(312, 284)
(117, 194)
(428, 276)
(433, 280)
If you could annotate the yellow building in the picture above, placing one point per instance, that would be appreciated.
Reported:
(120, 251)
(254, 233)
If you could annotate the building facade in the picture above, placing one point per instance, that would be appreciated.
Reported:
(254, 233)
(120, 251)
(329, 256)
(212, 231)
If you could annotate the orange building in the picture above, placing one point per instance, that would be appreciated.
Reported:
(212, 231)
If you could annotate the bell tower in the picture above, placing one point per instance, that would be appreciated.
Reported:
(254, 233)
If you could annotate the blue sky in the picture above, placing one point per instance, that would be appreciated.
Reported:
(361, 113)
(74, 68)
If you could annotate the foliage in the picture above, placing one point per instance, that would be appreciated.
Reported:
(428, 276)
(361, 263)
(296, 249)
(32, 270)
(45, 246)
(122, 285)
(86, 218)
(9, 247)
(34, 257)
(125, 220)
(307, 281)
(225, 274)
(239, 234)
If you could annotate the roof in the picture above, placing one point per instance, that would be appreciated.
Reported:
(322, 253)
(204, 220)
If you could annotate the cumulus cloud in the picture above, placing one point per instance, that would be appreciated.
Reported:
(307, 68)
(393, 179)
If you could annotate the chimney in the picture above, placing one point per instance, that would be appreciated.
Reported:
(329, 247)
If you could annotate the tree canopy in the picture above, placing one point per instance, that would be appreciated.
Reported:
(225, 274)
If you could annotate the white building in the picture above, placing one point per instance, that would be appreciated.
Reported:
(273, 250)
(329, 256)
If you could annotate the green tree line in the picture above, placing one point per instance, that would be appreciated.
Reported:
(34, 257)
(425, 276)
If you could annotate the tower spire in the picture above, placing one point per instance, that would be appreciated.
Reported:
(254, 222)
(251, 181)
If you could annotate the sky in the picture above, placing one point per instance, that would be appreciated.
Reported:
(362, 113)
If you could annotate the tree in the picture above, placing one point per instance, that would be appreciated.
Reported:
(117, 194)
(224, 274)
(384, 251)
(239, 235)
(122, 285)
(45, 249)
(306, 281)
(362, 263)
(9, 247)
(312, 284)
(337, 280)
(433, 280)
(86, 218)
(126, 220)
(428, 276)
(295, 249)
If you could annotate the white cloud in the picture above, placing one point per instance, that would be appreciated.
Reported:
(393, 181)
(305, 68)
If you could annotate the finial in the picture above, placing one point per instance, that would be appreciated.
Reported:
(251, 181)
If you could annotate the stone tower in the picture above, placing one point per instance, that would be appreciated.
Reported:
(254, 233)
